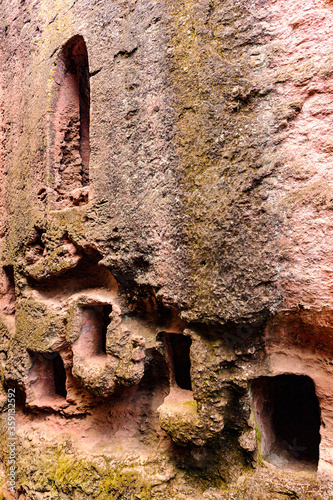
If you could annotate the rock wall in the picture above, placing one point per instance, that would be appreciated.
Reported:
(165, 239)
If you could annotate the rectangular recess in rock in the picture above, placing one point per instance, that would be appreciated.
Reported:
(70, 124)
(7, 290)
(93, 331)
(178, 358)
(287, 413)
(47, 376)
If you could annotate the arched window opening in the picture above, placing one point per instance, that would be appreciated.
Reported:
(288, 416)
(71, 122)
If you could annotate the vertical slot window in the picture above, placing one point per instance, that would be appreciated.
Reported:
(180, 347)
(71, 122)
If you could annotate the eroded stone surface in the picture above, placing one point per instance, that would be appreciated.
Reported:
(192, 202)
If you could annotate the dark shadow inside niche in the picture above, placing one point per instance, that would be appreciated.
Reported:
(104, 313)
(288, 416)
(179, 349)
(71, 123)
(47, 376)
(9, 297)
(59, 376)
(95, 320)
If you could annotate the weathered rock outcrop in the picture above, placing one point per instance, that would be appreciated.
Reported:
(166, 299)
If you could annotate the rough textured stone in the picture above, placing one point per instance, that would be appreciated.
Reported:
(165, 254)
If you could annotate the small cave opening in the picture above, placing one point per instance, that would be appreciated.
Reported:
(20, 398)
(59, 376)
(93, 333)
(105, 321)
(7, 291)
(47, 376)
(71, 122)
(288, 417)
(180, 351)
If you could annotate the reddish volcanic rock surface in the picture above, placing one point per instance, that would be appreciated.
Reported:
(166, 231)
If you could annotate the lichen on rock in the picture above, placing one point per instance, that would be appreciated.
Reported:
(165, 242)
